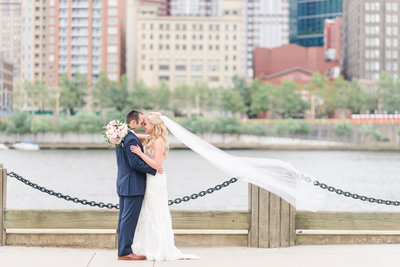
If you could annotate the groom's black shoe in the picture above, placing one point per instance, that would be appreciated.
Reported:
(132, 257)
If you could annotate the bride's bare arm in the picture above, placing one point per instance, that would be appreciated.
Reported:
(142, 137)
(155, 163)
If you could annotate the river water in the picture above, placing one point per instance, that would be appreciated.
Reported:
(91, 174)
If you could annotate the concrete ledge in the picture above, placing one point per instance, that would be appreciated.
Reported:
(346, 237)
(347, 232)
(107, 238)
(207, 231)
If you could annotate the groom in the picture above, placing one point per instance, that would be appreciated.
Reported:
(131, 184)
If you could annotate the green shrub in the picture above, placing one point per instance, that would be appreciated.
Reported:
(20, 123)
(67, 124)
(255, 129)
(227, 125)
(41, 124)
(281, 127)
(377, 135)
(299, 127)
(3, 125)
(196, 124)
(89, 122)
(344, 129)
(367, 129)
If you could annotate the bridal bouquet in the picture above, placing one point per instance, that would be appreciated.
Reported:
(115, 132)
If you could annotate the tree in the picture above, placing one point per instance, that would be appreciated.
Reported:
(390, 92)
(286, 101)
(260, 97)
(163, 96)
(72, 92)
(38, 94)
(142, 96)
(233, 102)
(181, 98)
(322, 94)
(199, 95)
(357, 98)
(240, 86)
(111, 94)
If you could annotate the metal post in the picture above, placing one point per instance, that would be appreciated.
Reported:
(3, 198)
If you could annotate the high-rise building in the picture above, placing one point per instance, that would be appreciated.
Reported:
(10, 34)
(33, 40)
(183, 49)
(203, 8)
(307, 20)
(371, 38)
(87, 37)
(266, 24)
(6, 83)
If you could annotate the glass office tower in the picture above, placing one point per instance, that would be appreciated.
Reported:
(307, 20)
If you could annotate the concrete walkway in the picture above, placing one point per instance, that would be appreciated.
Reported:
(307, 256)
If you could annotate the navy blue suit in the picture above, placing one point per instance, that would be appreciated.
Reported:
(131, 185)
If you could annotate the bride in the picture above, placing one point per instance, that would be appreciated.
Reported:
(154, 237)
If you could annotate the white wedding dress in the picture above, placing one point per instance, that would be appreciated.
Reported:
(154, 237)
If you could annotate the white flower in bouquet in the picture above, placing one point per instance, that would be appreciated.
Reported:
(115, 132)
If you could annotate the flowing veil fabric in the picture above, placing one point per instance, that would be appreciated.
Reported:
(276, 176)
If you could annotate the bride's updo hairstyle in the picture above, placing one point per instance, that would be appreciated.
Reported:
(160, 130)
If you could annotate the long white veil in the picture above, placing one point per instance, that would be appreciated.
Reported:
(276, 176)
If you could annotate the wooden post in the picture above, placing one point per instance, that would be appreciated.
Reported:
(272, 220)
(3, 198)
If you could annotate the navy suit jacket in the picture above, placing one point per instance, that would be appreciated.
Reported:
(131, 180)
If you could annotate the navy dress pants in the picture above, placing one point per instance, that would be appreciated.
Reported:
(129, 210)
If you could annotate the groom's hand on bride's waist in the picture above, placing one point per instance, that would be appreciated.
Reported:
(160, 171)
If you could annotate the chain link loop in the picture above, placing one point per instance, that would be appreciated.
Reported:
(356, 196)
(110, 205)
(203, 193)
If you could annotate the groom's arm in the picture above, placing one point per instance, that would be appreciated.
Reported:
(135, 161)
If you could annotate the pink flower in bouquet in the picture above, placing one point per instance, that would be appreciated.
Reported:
(115, 133)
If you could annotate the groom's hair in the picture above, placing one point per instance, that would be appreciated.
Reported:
(133, 115)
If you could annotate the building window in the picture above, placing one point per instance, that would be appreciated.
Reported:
(180, 67)
(112, 67)
(213, 67)
(114, 12)
(197, 78)
(112, 2)
(111, 58)
(112, 49)
(213, 79)
(180, 79)
(112, 30)
(112, 39)
(164, 67)
(163, 78)
(112, 77)
(388, 42)
(112, 21)
(197, 67)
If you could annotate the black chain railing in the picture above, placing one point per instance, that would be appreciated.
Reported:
(356, 196)
(110, 205)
